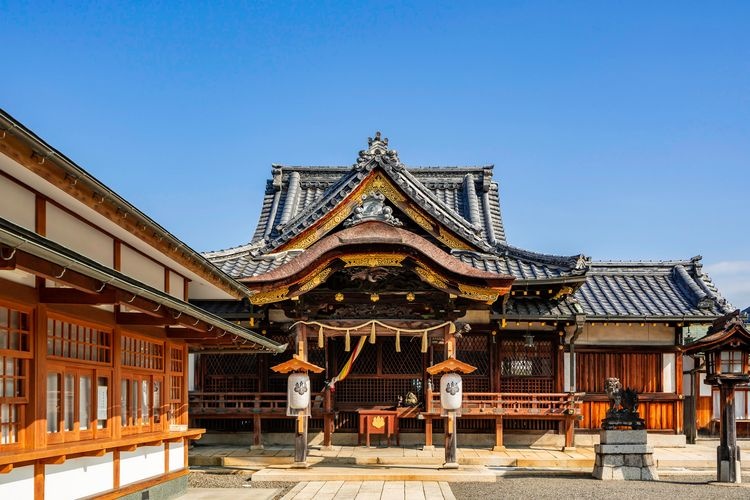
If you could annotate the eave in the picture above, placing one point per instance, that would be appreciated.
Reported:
(374, 244)
(95, 283)
(30, 151)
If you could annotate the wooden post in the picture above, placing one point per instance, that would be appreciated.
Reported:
(327, 417)
(257, 439)
(569, 436)
(728, 454)
(451, 446)
(499, 446)
(300, 440)
(428, 420)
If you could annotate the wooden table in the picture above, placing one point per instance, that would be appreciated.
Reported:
(378, 421)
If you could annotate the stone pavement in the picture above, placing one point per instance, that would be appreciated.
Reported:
(229, 493)
(370, 490)
(698, 456)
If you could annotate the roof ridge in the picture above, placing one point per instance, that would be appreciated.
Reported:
(578, 261)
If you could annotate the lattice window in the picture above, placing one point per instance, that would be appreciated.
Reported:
(519, 360)
(76, 341)
(176, 403)
(406, 362)
(527, 384)
(475, 350)
(233, 372)
(376, 391)
(15, 353)
(142, 353)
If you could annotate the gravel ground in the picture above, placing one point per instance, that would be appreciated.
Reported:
(680, 487)
(233, 479)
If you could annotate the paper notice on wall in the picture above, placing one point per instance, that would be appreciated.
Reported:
(101, 400)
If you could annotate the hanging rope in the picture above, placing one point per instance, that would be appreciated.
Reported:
(321, 343)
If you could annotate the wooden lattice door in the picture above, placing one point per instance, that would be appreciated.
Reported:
(525, 368)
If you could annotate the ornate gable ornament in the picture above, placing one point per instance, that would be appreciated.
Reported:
(372, 208)
(378, 154)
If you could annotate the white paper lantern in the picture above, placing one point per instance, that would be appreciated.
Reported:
(451, 391)
(298, 391)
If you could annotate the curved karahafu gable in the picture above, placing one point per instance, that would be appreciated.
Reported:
(377, 244)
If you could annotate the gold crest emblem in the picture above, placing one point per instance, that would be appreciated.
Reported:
(378, 422)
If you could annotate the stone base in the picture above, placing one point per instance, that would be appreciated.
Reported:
(450, 465)
(256, 447)
(624, 455)
(725, 472)
(300, 465)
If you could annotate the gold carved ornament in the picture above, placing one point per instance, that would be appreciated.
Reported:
(275, 295)
(378, 422)
(373, 260)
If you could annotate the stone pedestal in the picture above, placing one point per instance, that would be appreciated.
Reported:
(624, 455)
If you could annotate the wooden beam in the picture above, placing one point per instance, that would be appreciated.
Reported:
(73, 296)
(54, 460)
(122, 318)
(5, 469)
(44, 269)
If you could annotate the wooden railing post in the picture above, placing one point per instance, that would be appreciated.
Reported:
(257, 437)
(327, 417)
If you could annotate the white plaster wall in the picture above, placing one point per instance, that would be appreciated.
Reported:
(704, 388)
(191, 371)
(668, 379)
(17, 204)
(79, 477)
(621, 334)
(144, 462)
(18, 484)
(176, 286)
(141, 268)
(176, 456)
(566, 371)
(65, 229)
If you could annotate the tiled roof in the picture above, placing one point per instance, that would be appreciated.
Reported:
(244, 261)
(536, 308)
(465, 199)
(664, 289)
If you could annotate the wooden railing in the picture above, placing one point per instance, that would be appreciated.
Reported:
(514, 404)
(233, 404)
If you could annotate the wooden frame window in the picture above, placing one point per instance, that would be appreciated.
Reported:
(177, 403)
(74, 340)
(731, 362)
(141, 403)
(77, 403)
(15, 356)
(138, 352)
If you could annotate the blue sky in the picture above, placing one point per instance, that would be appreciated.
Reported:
(617, 129)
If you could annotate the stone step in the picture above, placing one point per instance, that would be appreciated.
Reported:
(261, 462)
(375, 473)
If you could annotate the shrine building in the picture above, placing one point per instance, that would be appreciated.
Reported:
(120, 345)
(372, 266)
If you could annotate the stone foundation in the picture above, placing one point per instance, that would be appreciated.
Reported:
(624, 455)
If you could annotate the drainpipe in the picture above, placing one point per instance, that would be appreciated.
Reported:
(580, 321)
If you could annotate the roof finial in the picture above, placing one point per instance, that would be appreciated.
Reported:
(378, 153)
(383, 142)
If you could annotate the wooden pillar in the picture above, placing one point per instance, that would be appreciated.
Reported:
(451, 445)
(499, 446)
(300, 440)
(428, 420)
(257, 425)
(728, 454)
(569, 436)
(327, 417)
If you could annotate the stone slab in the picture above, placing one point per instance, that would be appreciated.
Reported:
(229, 493)
(623, 437)
(462, 474)
(624, 449)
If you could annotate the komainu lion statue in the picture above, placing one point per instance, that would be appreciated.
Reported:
(623, 409)
(613, 388)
